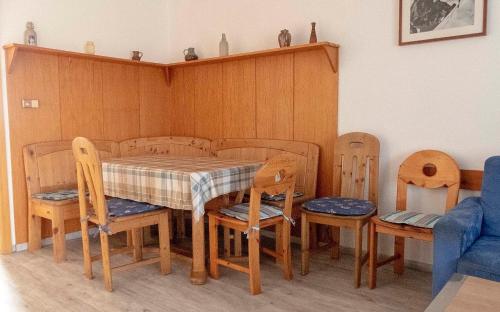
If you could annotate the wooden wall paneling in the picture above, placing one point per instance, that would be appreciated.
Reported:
(5, 234)
(183, 99)
(208, 101)
(80, 86)
(274, 97)
(120, 101)
(239, 99)
(154, 102)
(315, 109)
(36, 77)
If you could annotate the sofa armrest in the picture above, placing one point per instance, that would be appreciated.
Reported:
(454, 233)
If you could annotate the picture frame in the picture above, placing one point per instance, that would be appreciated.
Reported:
(434, 20)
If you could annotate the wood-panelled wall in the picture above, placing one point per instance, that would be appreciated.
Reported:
(79, 97)
(290, 96)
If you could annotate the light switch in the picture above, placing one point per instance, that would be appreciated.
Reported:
(30, 103)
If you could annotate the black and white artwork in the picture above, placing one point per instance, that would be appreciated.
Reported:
(430, 20)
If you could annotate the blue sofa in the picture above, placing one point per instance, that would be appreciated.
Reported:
(467, 239)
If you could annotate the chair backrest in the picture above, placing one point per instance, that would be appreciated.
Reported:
(50, 166)
(171, 145)
(305, 154)
(429, 169)
(355, 154)
(277, 175)
(89, 176)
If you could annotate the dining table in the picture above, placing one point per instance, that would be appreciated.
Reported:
(179, 182)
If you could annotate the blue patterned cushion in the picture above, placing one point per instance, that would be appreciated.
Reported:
(118, 207)
(279, 197)
(57, 195)
(240, 211)
(341, 206)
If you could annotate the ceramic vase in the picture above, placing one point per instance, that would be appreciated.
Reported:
(89, 47)
(313, 38)
(223, 46)
(190, 55)
(30, 34)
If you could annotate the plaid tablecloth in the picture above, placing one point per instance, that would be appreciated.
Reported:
(176, 182)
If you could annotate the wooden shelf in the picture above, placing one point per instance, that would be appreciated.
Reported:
(11, 51)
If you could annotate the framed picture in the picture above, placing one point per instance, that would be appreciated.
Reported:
(432, 20)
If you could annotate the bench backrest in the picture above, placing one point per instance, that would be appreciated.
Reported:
(50, 166)
(171, 145)
(306, 155)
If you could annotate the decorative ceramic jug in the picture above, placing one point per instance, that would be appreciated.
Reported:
(313, 38)
(284, 38)
(136, 55)
(189, 54)
(30, 34)
(223, 46)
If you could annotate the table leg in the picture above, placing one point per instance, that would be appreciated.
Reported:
(198, 271)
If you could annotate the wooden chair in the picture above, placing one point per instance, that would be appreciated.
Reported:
(129, 215)
(169, 145)
(50, 168)
(354, 154)
(428, 169)
(305, 154)
(276, 176)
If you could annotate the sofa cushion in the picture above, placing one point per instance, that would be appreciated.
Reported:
(482, 259)
(490, 196)
(118, 207)
(412, 218)
(57, 195)
(240, 211)
(340, 206)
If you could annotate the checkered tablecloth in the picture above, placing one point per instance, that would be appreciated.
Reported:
(176, 182)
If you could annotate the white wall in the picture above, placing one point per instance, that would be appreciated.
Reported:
(443, 95)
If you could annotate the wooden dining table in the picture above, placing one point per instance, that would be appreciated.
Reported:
(179, 182)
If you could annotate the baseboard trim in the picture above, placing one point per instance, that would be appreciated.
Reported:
(412, 264)
(48, 241)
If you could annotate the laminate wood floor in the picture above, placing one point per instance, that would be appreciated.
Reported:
(33, 282)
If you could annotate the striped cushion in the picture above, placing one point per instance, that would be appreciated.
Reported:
(412, 218)
(279, 197)
(240, 212)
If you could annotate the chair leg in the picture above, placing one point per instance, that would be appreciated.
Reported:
(214, 246)
(34, 231)
(106, 265)
(129, 239)
(304, 248)
(58, 235)
(399, 251)
(254, 262)
(286, 250)
(164, 241)
(137, 243)
(181, 224)
(170, 223)
(237, 243)
(227, 242)
(372, 260)
(87, 261)
(279, 243)
(335, 232)
(358, 248)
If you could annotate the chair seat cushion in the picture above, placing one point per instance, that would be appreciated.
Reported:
(341, 206)
(279, 197)
(412, 218)
(482, 259)
(240, 211)
(118, 207)
(57, 195)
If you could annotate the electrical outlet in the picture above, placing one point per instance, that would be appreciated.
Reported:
(30, 103)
